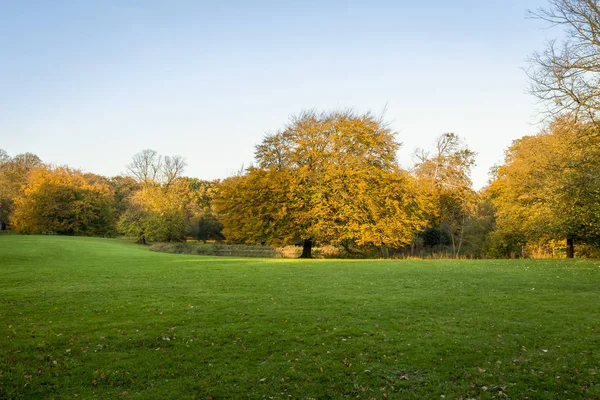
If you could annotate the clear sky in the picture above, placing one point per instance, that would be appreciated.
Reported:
(90, 83)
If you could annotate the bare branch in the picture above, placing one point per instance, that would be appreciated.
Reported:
(146, 166)
(566, 76)
(173, 168)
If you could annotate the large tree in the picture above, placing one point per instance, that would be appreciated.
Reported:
(549, 185)
(331, 177)
(65, 201)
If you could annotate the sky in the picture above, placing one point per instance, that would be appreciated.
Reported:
(90, 83)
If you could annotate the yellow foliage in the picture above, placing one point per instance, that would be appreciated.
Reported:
(62, 200)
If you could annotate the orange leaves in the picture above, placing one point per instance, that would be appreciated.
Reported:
(64, 200)
(328, 176)
(547, 187)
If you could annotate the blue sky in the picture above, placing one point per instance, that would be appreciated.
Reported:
(90, 83)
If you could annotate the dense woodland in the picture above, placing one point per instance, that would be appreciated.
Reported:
(333, 178)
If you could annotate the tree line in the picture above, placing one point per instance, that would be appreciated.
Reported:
(334, 178)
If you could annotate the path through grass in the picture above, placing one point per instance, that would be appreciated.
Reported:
(100, 318)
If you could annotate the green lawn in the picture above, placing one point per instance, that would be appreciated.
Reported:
(101, 318)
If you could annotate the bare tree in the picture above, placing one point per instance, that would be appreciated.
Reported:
(146, 166)
(4, 157)
(566, 76)
(173, 168)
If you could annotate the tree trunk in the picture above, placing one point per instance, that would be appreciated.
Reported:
(461, 237)
(306, 249)
(570, 247)
(385, 252)
(141, 240)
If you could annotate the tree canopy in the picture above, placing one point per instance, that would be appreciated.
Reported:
(331, 177)
(549, 186)
(63, 200)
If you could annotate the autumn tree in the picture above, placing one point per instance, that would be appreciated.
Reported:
(65, 201)
(565, 75)
(549, 185)
(159, 209)
(444, 174)
(149, 167)
(331, 177)
(156, 213)
(14, 173)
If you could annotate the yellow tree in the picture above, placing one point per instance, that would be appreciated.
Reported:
(159, 210)
(65, 201)
(14, 173)
(157, 213)
(549, 185)
(331, 177)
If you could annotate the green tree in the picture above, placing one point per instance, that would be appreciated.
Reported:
(203, 224)
(209, 228)
(331, 177)
(123, 187)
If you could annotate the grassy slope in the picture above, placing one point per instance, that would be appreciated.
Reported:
(83, 317)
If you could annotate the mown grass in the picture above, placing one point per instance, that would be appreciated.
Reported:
(100, 318)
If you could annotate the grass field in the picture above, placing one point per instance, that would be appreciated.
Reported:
(100, 318)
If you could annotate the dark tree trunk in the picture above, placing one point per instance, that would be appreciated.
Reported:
(2, 225)
(570, 247)
(307, 249)
(141, 240)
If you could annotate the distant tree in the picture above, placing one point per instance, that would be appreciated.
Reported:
(209, 228)
(565, 75)
(4, 157)
(157, 213)
(331, 177)
(549, 185)
(149, 167)
(158, 209)
(63, 200)
(146, 166)
(202, 222)
(172, 168)
(123, 187)
(444, 174)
